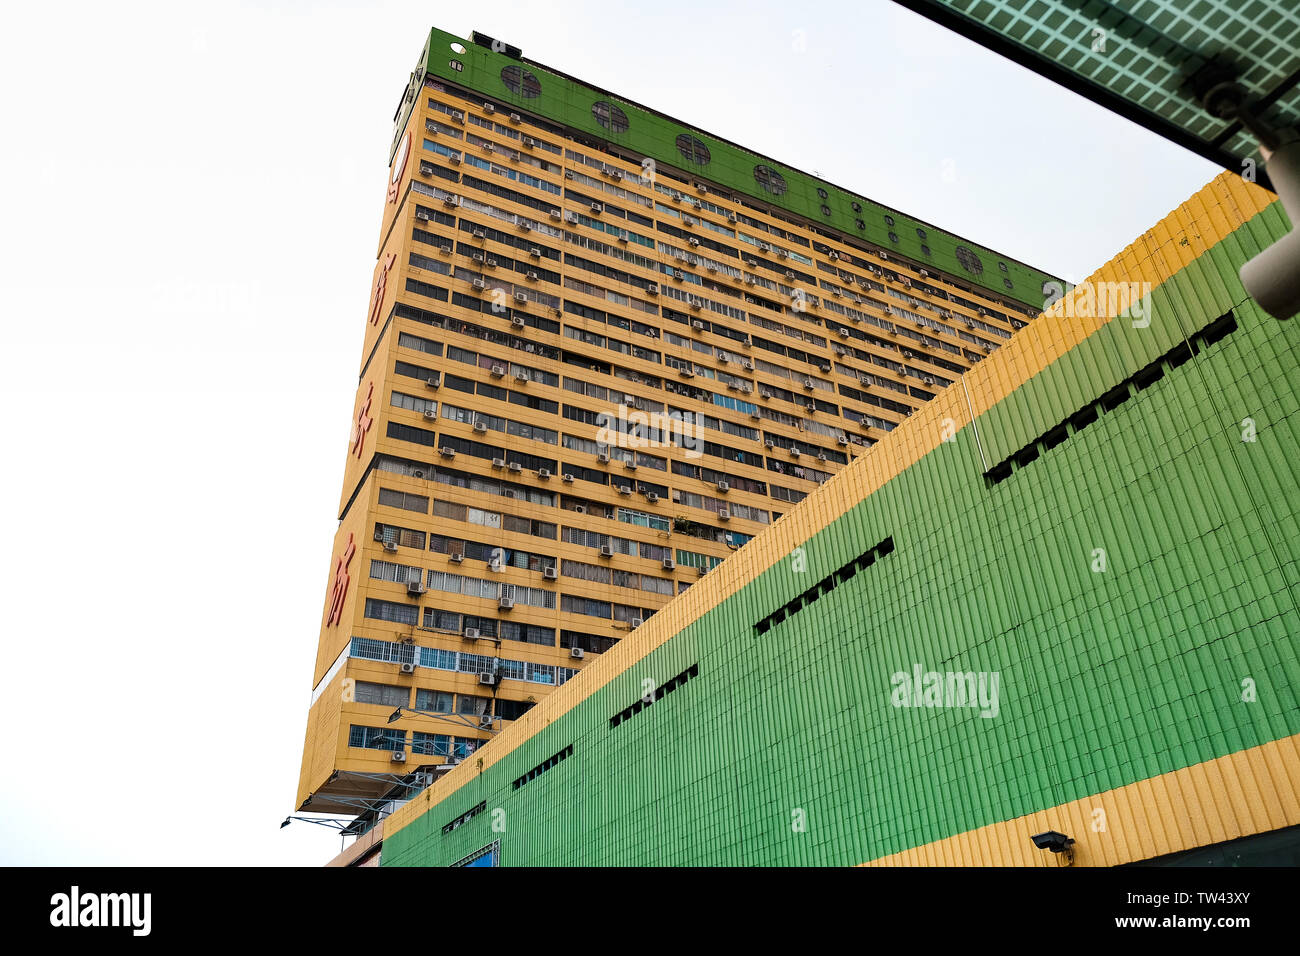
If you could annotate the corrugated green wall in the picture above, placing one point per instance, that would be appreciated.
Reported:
(1106, 678)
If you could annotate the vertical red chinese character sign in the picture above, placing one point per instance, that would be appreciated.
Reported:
(363, 423)
(381, 284)
(339, 593)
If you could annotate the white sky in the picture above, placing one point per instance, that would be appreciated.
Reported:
(189, 205)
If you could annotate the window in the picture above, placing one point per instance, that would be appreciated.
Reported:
(456, 65)
(826, 210)
(693, 150)
(920, 234)
(770, 180)
(821, 193)
(893, 237)
(857, 206)
(610, 116)
(385, 694)
(925, 249)
(403, 500)
(376, 738)
(521, 82)
(391, 611)
(433, 701)
(889, 221)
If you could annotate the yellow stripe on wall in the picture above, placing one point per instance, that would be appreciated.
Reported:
(1206, 803)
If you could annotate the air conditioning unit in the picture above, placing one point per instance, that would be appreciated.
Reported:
(488, 147)
(652, 288)
(498, 462)
(635, 622)
(399, 756)
(478, 283)
(928, 380)
(629, 401)
(491, 263)
(625, 490)
(516, 118)
(489, 108)
(764, 247)
(458, 116)
(789, 273)
(516, 466)
(544, 474)
(485, 721)
(550, 574)
(833, 254)
(652, 497)
(794, 451)
(602, 459)
(430, 415)
(487, 678)
(782, 254)
(477, 256)
(417, 473)
(446, 249)
(454, 159)
(498, 371)
(471, 633)
(535, 253)
(446, 452)
(521, 297)
(577, 653)
(622, 236)
(456, 557)
(579, 509)
(379, 534)
(505, 603)
(844, 333)
(807, 383)
(697, 324)
(414, 587)
(755, 415)
(606, 551)
(531, 276)
(723, 487)
(724, 514)
(567, 478)
(407, 667)
(629, 464)
(529, 142)
(521, 376)
(693, 241)
(770, 444)
(390, 547)
(764, 393)
(517, 322)
(597, 209)
(842, 440)
(821, 456)
(451, 201)
(669, 564)
(836, 292)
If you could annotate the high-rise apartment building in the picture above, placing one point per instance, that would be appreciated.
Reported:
(604, 350)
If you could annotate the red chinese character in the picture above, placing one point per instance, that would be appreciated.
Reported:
(381, 283)
(339, 592)
(364, 421)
